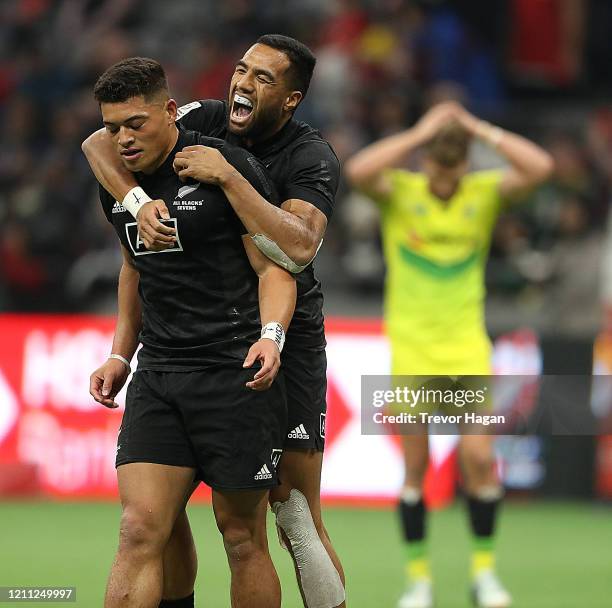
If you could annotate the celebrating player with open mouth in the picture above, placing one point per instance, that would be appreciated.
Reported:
(268, 84)
(197, 308)
(437, 226)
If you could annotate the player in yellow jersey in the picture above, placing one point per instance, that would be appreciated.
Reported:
(437, 227)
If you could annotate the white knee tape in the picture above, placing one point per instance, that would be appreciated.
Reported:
(318, 576)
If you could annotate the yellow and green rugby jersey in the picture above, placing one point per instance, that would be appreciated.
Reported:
(436, 253)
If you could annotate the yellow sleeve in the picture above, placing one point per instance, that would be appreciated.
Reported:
(487, 184)
(401, 180)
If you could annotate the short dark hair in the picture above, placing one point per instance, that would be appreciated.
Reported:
(132, 77)
(449, 147)
(300, 57)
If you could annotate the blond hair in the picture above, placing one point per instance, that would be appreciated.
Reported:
(449, 147)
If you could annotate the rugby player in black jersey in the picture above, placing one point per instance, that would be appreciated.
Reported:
(193, 408)
(268, 84)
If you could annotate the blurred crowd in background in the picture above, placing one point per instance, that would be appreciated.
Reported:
(540, 68)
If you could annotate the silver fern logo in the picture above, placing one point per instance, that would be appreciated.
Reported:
(185, 190)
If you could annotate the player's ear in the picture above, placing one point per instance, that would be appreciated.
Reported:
(171, 109)
(291, 103)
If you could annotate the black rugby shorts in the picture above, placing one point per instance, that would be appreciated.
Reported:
(208, 420)
(306, 381)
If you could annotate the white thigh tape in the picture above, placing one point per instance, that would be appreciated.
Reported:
(318, 576)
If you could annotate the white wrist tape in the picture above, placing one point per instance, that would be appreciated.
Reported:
(122, 359)
(135, 199)
(275, 332)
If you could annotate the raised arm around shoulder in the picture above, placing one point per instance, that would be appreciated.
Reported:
(296, 228)
(107, 166)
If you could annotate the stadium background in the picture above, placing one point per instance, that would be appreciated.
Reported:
(539, 67)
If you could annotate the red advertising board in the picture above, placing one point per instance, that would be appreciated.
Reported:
(55, 440)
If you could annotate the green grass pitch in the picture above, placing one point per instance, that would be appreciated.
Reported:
(551, 555)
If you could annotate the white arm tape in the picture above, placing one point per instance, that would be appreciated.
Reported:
(275, 332)
(135, 199)
(271, 250)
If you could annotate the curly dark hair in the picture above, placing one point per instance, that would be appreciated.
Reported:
(132, 77)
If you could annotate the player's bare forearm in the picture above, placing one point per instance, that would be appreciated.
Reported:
(277, 287)
(129, 317)
(297, 227)
(277, 295)
(531, 164)
(365, 167)
(107, 166)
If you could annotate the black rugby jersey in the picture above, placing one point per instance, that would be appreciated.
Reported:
(302, 165)
(199, 298)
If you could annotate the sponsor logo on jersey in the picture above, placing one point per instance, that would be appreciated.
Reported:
(264, 473)
(137, 245)
(186, 109)
(118, 208)
(275, 457)
(299, 432)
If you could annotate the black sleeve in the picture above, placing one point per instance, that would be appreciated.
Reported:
(107, 201)
(206, 116)
(313, 175)
(249, 167)
(253, 171)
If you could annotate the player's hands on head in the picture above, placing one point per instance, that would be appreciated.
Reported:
(437, 117)
(202, 164)
(266, 352)
(107, 381)
(468, 121)
(155, 235)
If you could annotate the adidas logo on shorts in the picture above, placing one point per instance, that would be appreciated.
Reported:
(299, 432)
(264, 473)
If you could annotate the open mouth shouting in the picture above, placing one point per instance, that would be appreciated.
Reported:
(131, 154)
(242, 108)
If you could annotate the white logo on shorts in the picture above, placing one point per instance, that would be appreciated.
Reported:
(322, 426)
(275, 457)
(264, 473)
(299, 432)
